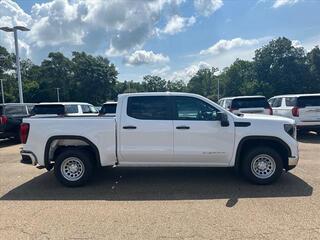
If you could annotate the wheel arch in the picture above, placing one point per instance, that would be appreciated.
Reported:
(254, 141)
(51, 140)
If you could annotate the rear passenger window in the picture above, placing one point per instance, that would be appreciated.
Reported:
(149, 108)
(16, 110)
(290, 101)
(71, 108)
(277, 102)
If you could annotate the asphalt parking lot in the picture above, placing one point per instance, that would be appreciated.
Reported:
(157, 203)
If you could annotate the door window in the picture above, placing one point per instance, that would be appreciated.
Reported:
(291, 101)
(277, 102)
(88, 109)
(71, 108)
(149, 108)
(189, 108)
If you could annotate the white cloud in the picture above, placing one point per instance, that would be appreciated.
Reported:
(178, 24)
(95, 26)
(11, 15)
(296, 43)
(188, 72)
(207, 7)
(281, 3)
(141, 57)
(225, 45)
(161, 72)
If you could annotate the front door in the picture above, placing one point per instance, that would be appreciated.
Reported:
(199, 137)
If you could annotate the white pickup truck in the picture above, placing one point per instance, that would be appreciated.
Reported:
(162, 129)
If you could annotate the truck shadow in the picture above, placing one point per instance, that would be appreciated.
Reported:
(141, 184)
(7, 142)
(310, 137)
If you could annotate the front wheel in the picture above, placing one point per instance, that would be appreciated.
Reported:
(73, 167)
(262, 165)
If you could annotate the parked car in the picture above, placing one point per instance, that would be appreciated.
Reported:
(246, 104)
(303, 108)
(64, 108)
(108, 109)
(162, 129)
(11, 115)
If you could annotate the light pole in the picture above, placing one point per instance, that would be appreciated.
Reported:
(15, 32)
(58, 94)
(2, 90)
(218, 88)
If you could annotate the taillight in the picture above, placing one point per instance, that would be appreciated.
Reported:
(295, 112)
(270, 111)
(3, 120)
(24, 132)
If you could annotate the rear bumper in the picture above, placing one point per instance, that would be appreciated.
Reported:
(29, 155)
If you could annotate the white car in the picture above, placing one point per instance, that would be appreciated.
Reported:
(108, 109)
(162, 130)
(303, 108)
(64, 108)
(246, 104)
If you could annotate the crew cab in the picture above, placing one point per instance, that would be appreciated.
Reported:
(303, 108)
(246, 104)
(162, 129)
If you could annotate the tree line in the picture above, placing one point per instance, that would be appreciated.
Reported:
(279, 67)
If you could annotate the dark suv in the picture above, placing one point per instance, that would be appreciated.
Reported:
(11, 115)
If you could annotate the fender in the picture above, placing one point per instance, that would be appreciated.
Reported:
(71, 137)
(269, 138)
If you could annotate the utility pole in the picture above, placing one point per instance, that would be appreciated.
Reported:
(15, 33)
(2, 91)
(58, 94)
(218, 88)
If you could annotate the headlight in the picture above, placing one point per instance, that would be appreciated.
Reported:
(291, 130)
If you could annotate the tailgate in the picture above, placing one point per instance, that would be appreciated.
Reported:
(309, 108)
(252, 110)
(310, 114)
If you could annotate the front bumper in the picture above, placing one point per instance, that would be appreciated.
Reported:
(292, 162)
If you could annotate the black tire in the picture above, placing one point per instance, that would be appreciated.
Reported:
(271, 161)
(82, 162)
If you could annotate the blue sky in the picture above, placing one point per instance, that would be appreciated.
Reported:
(170, 38)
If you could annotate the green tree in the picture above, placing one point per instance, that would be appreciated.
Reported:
(94, 78)
(204, 83)
(281, 68)
(154, 84)
(313, 61)
(240, 79)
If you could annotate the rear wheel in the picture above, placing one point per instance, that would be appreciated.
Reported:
(73, 167)
(262, 165)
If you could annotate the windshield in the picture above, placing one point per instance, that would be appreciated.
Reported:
(249, 103)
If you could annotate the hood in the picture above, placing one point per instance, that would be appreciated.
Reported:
(266, 118)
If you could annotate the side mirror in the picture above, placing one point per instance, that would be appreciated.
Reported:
(223, 117)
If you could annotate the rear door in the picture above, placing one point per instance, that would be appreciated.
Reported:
(199, 137)
(146, 130)
(309, 108)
